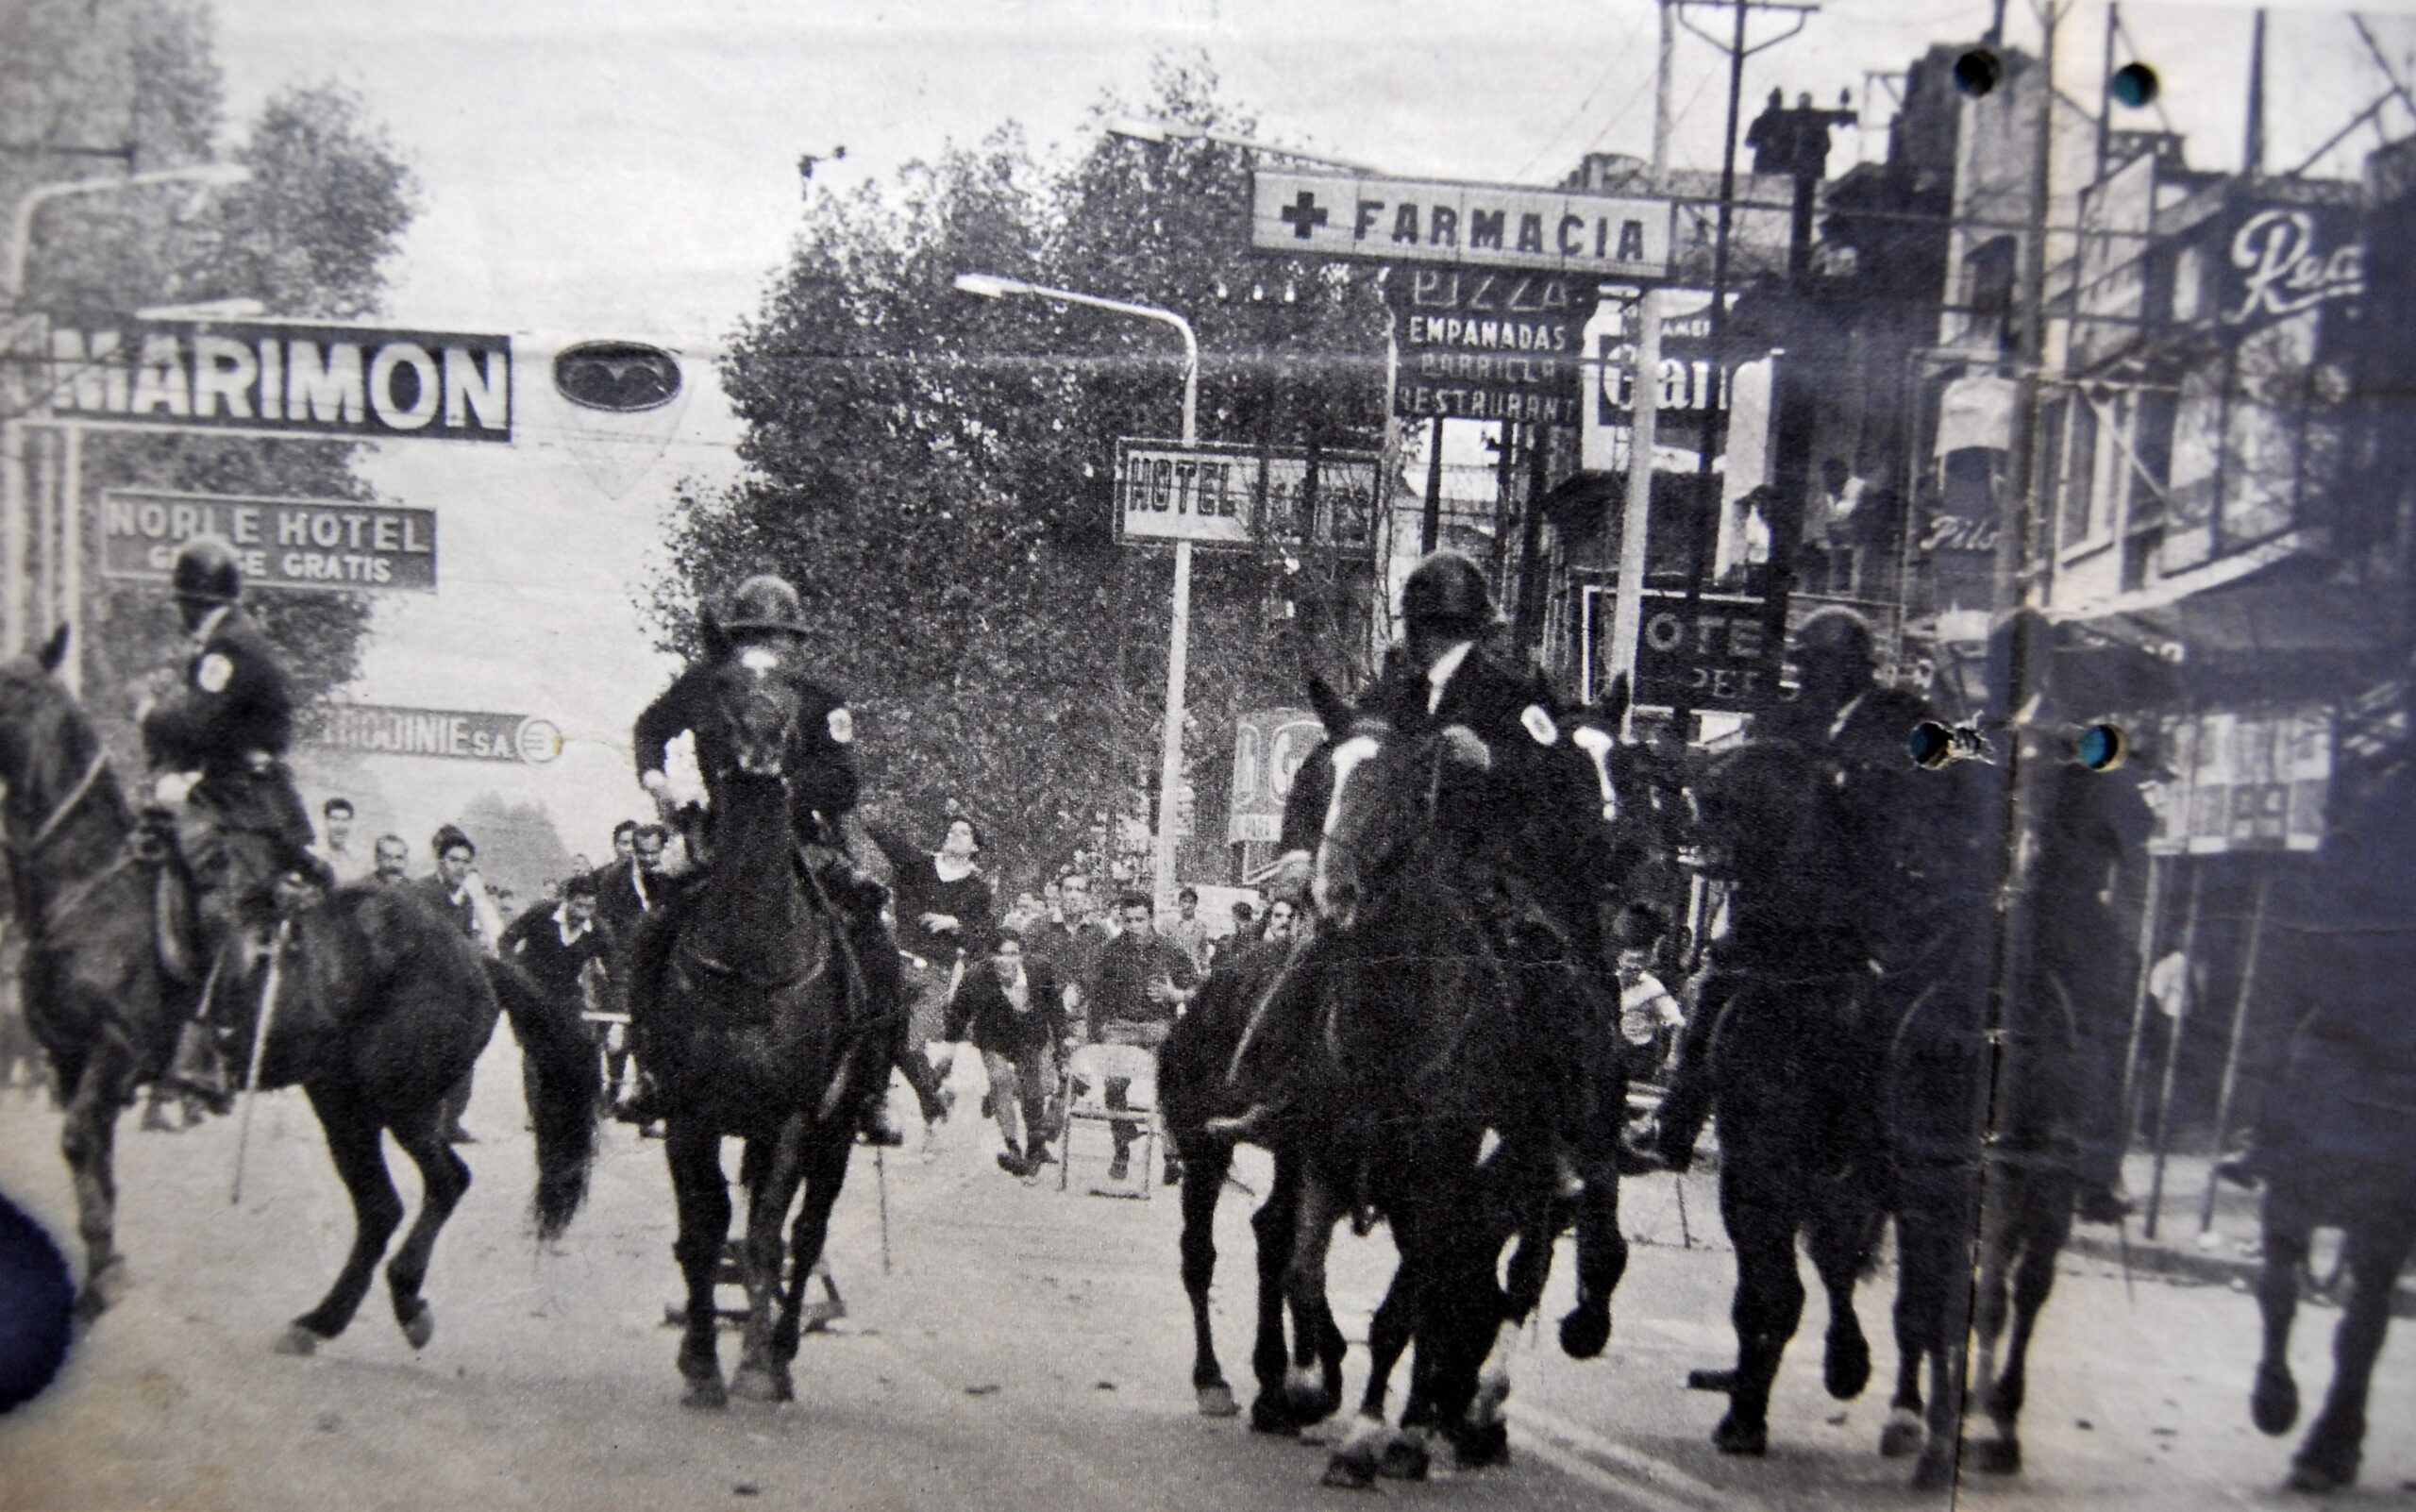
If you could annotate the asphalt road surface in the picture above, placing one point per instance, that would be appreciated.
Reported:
(1023, 1349)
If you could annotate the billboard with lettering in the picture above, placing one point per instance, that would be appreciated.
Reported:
(280, 543)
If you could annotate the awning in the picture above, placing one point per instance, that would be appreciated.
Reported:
(2277, 635)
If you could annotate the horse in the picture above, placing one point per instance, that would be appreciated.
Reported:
(1205, 1116)
(1422, 1109)
(741, 993)
(1780, 1049)
(380, 1006)
(2335, 1146)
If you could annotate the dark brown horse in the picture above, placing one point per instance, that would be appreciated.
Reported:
(380, 1007)
(740, 1002)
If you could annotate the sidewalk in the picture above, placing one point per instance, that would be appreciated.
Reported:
(2223, 1252)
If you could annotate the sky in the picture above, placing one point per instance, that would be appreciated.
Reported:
(619, 168)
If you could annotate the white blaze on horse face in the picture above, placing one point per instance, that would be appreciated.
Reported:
(1596, 743)
(1347, 758)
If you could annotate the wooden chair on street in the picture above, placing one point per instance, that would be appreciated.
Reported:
(1088, 1073)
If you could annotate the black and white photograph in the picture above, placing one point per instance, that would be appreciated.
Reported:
(1109, 754)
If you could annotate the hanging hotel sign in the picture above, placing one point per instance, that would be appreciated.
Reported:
(1477, 225)
(1218, 493)
(279, 543)
(272, 377)
(1477, 344)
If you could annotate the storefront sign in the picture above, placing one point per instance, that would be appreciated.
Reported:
(347, 382)
(1718, 652)
(2287, 260)
(2247, 782)
(1480, 346)
(279, 543)
(1270, 745)
(1397, 220)
(377, 730)
(1217, 494)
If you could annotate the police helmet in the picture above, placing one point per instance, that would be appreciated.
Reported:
(765, 603)
(1446, 589)
(1833, 636)
(207, 572)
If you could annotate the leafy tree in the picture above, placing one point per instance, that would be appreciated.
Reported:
(933, 471)
(135, 88)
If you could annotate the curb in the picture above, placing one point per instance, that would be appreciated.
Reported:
(2157, 1260)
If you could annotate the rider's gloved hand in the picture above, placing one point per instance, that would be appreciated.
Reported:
(658, 786)
(1290, 878)
(171, 788)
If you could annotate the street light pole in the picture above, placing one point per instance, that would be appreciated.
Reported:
(1157, 131)
(1179, 633)
(17, 253)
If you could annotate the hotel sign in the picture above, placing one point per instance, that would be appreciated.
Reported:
(1492, 226)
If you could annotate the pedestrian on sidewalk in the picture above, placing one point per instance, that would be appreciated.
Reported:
(1014, 1010)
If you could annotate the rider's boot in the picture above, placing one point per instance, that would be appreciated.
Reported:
(874, 1122)
(200, 1071)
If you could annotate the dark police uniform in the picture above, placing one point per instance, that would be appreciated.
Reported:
(822, 773)
(232, 721)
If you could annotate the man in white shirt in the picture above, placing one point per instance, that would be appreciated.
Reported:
(336, 848)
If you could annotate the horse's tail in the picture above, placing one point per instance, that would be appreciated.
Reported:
(567, 1084)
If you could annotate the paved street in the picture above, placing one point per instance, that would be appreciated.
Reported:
(1028, 1348)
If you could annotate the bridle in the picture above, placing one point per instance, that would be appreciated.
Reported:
(64, 807)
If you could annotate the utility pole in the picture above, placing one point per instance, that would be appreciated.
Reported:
(1644, 409)
(2253, 157)
(2021, 466)
(1430, 528)
(1715, 395)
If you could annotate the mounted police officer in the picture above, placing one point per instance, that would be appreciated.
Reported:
(1518, 801)
(216, 744)
(764, 617)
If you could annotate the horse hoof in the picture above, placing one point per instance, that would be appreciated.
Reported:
(1403, 1459)
(2274, 1401)
(1350, 1469)
(298, 1339)
(1845, 1368)
(708, 1395)
(1935, 1471)
(1583, 1331)
(1734, 1436)
(1480, 1445)
(1711, 1381)
(1218, 1401)
(1901, 1436)
(420, 1326)
(1270, 1414)
(755, 1383)
(2318, 1478)
(1997, 1456)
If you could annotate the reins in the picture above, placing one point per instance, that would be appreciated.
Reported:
(65, 806)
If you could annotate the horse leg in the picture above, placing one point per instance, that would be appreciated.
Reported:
(1601, 1260)
(1206, 1160)
(1368, 1450)
(353, 1136)
(2049, 1204)
(1304, 1292)
(692, 1147)
(1768, 1303)
(825, 1167)
(763, 1374)
(1839, 1241)
(2376, 1250)
(444, 1178)
(88, 1141)
(1933, 1250)
(1274, 1224)
(2274, 1400)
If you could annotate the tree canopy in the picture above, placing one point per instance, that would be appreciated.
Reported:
(102, 92)
(933, 471)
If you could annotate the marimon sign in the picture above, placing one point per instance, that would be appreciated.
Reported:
(1405, 220)
(280, 543)
(275, 378)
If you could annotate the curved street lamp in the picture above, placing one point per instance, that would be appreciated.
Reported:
(991, 286)
(1158, 132)
(12, 498)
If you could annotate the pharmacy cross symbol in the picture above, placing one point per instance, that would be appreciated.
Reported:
(1303, 216)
